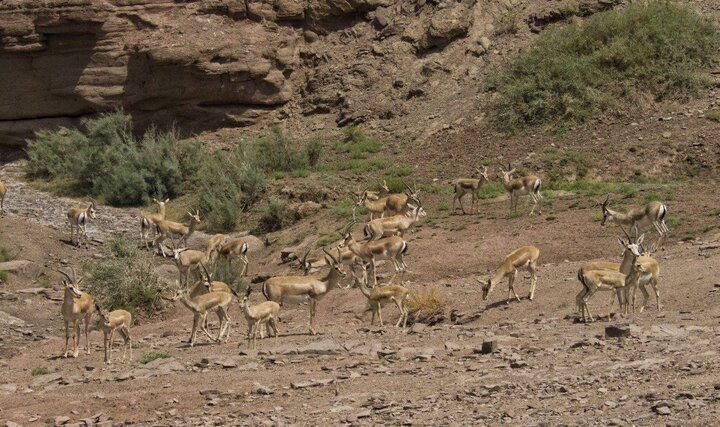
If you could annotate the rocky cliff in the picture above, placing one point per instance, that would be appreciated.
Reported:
(216, 63)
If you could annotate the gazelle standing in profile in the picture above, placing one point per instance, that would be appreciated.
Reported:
(464, 186)
(381, 295)
(111, 321)
(76, 305)
(78, 218)
(638, 218)
(260, 315)
(389, 248)
(399, 203)
(171, 229)
(524, 257)
(3, 191)
(393, 225)
(187, 261)
(517, 187)
(201, 305)
(148, 221)
(374, 204)
(311, 289)
(233, 249)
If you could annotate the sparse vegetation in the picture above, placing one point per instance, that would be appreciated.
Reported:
(426, 306)
(274, 216)
(344, 209)
(5, 254)
(3, 276)
(327, 239)
(588, 66)
(124, 278)
(357, 143)
(443, 207)
(153, 355)
(490, 190)
(39, 370)
(713, 115)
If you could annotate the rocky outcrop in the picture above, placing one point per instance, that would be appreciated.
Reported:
(196, 64)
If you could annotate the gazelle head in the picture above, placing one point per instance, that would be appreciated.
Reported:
(194, 217)
(335, 263)
(102, 312)
(487, 287)
(207, 278)
(244, 299)
(507, 174)
(161, 203)
(633, 246)
(416, 212)
(607, 215)
(72, 285)
(412, 193)
(482, 173)
(92, 209)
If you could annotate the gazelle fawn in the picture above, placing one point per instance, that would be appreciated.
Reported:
(79, 218)
(381, 295)
(149, 220)
(260, 315)
(522, 258)
(111, 321)
(517, 187)
(77, 305)
(463, 186)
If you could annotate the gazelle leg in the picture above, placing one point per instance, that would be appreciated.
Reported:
(273, 325)
(196, 319)
(105, 347)
(312, 317)
(646, 297)
(533, 280)
(512, 287)
(586, 298)
(203, 328)
(379, 310)
(110, 345)
(67, 338)
(76, 338)
(402, 312)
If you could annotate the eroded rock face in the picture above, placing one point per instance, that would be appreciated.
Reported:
(197, 64)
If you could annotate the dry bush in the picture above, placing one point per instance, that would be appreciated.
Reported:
(427, 306)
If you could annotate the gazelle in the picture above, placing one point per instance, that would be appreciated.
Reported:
(311, 265)
(392, 248)
(171, 229)
(3, 191)
(263, 314)
(78, 218)
(111, 321)
(396, 224)
(237, 248)
(517, 187)
(201, 305)
(305, 288)
(638, 218)
(76, 305)
(188, 260)
(375, 205)
(464, 186)
(213, 246)
(381, 295)
(523, 257)
(398, 203)
(148, 221)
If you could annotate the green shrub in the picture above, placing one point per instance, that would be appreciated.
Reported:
(357, 143)
(124, 278)
(274, 216)
(5, 254)
(106, 161)
(39, 370)
(327, 239)
(313, 151)
(3, 276)
(396, 185)
(713, 115)
(399, 171)
(344, 210)
(589, 66)
(153, 355)
(443, 207)
(491, 190)
(277, 152)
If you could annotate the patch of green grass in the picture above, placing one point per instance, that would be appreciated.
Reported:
(153, 355)
(398, 171)
(344, 210)
(491, 190)
(597, 217)
(44, 283)
(39, 370)
(611, 58)
(274, 216)
(436, 188)
(713, 115)
(673, 221)
(396, 185)
(355, 166)
(3, 276)
(5, 255)
(327, 239)
(516, 214)
(715, 212)
(443, 207)
(357, 143)
(300, 173)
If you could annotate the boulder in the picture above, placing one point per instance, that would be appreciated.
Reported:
(23, 268)
(447, 25)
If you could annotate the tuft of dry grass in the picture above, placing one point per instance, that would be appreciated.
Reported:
(427, 306)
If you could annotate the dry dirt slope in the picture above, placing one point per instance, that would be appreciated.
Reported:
(548, 369)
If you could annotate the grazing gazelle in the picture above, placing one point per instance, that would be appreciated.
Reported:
(171, 229)
(381, 295)
(524, 257)
(148, 221)
(237, 248)
(260, 315)
(638, 218)
(76, 305)
(3, 191)
(311, 289)
(393, 225)
(517, 187)
(111, 321)
(78, 218)
(464, 186)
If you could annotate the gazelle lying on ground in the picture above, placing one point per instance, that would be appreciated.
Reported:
(148, 221)
(171, 229)
(311, 289)
(110, 321)
(523, 257)
(263, 314)
(3, 191)
(393, 225)
(78, 218)
(470, 186)
(76, 305)
(235, 249)
(517, 187)
(389, 248)
(201, 305)
(381, 295)
(638, 218)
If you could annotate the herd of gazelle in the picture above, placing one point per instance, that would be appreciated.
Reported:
(383, 240)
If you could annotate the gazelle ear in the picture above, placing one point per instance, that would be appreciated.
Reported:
(167, 200)
(155, 200)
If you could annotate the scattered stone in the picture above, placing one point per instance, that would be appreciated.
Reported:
(322, 347)
(23, 268)
(261, 389)
(662, 410)
(45, 380)
(666, 135)
(617, 331)
(61, 420)
(487, 347)
(417, 328)
(363, 414)
(226, 363)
